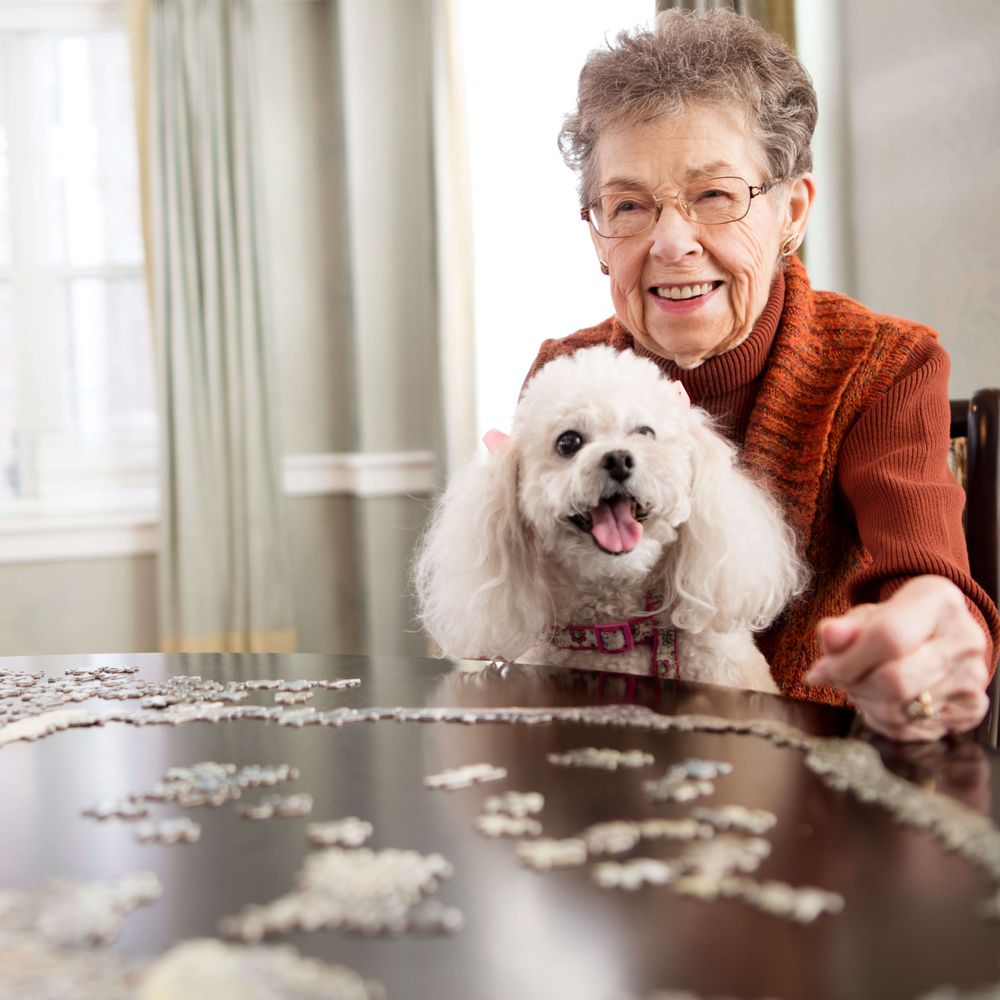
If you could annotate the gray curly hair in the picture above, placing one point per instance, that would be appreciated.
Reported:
(713, 59)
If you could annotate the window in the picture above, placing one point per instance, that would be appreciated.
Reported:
(78, 426)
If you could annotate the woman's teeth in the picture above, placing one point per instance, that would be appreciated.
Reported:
(685, 291)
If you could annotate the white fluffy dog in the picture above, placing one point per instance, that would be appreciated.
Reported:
(612, 530)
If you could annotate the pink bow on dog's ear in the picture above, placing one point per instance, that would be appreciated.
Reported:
(682, 395)
(496, 441)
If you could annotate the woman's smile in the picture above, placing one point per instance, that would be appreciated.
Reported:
(678, 299)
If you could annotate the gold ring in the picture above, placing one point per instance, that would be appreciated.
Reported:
(921, 708)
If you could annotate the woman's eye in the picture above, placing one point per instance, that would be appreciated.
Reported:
(569, 443)
(647, 431)
(626, 206)
(713, 194)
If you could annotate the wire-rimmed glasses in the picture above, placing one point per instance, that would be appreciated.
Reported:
(710, 202)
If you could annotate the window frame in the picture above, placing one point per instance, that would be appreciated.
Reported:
(134, 509)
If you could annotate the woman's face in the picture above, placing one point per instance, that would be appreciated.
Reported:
(738, 259)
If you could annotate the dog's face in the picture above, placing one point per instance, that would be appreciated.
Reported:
(605, 462)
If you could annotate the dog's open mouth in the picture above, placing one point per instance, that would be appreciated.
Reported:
(615, 523)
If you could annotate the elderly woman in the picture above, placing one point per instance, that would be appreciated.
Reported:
(692, 144)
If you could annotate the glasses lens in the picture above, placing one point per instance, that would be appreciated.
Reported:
(622, 213)
(720, 199)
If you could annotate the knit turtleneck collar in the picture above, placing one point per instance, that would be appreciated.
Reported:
(735, 368)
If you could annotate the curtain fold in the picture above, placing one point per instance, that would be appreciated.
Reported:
(137, 17)
(223, 564)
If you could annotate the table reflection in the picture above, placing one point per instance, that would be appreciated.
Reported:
(905, 895)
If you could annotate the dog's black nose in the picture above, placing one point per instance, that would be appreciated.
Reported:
(618, 465)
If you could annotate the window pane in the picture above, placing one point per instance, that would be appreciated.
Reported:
(4, 172)
(80, 426)
(112, 370)
(99, 165)
(73, 142)
(8, 398)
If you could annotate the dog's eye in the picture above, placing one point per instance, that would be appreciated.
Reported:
(647, 431)
(569, 443)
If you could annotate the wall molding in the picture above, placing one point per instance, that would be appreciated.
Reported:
(366, 475)
(66, 539)
(67, 536)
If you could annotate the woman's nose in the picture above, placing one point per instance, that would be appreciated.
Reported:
(674, 235)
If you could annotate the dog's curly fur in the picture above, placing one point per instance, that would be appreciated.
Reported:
(508, 556)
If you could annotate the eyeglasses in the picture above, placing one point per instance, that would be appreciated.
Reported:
(709, 202)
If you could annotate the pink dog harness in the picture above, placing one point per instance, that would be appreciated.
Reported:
(615, 638)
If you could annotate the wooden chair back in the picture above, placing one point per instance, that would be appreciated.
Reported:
(976, 422)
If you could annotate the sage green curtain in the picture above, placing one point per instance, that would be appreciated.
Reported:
(223, 568)
(776, 15)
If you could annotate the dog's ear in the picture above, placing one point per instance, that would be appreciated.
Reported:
(735, 561)
(480, 583)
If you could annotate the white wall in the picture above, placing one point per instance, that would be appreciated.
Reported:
(925, 128)
(91, 605)
(908, 166)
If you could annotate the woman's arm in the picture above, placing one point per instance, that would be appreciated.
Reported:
(933, 629)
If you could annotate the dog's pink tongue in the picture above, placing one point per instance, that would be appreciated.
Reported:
(614, 527)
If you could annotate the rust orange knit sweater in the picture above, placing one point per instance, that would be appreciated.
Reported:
(844, 414)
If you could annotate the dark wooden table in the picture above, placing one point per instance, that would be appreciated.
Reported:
(911, 920)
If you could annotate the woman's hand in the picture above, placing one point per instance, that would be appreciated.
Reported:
(919, 653)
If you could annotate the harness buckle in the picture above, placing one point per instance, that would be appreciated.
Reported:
(624, 629)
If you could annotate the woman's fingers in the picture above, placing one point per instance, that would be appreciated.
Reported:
(922, 643)
(837, 634)
(897, 682)
(884, 632)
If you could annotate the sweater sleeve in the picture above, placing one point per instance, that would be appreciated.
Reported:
(893, 475)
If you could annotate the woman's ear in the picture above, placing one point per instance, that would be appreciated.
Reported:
(802, 191)
(479, 579)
